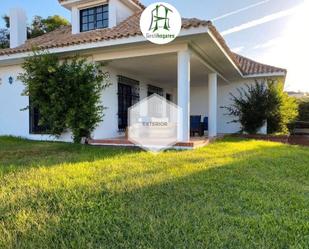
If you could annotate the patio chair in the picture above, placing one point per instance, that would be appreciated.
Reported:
(195, 125)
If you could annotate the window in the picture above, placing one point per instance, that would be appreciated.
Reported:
(155, 110)
(154, 89)
(34, 118)
(128, 95)
(94, 18)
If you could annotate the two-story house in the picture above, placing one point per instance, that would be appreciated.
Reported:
(197, 71)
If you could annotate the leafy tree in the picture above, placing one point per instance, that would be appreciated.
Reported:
(6, 20)
(283, 111)
(5, 34)
(42, 26)
(53, 22)
(38, 27)
(4, 38)
(67, 93)
(250, 107)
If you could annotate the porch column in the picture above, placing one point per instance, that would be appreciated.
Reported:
(183, 89)
(212, 105)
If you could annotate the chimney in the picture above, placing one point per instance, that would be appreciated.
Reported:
(18, 27)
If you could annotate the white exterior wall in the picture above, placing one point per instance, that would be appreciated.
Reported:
(122, 12)
(14, 121)
(224, 99)
(118, 12)
(109, 127)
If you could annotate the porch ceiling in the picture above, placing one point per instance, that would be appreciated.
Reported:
(162, 68)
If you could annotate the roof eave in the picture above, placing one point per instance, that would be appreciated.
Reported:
(185, 33)
(263, 75)
(69, 3)
(101, 44)
(225, 53)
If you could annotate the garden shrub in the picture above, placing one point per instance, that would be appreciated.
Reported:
(262, 102)
(303, 109)
(283, 109)
(249, 108)
(67, 93)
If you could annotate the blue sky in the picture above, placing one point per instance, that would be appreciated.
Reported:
(267, 38)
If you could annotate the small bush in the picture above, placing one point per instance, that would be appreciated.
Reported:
(263, 102)
(283, 109)
(250, 107)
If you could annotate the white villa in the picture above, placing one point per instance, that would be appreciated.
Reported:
(197, 71)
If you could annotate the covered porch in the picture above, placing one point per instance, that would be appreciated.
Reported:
(178, 72)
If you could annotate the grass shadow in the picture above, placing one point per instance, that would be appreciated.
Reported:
(19, 154)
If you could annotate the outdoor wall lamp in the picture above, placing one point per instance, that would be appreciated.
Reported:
(11, 80)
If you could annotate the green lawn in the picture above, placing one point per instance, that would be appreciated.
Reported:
(231, 194)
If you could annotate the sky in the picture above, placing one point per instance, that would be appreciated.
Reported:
(274, 32)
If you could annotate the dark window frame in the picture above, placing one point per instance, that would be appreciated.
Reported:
(94, 18)
(34, 118)
(169, 97)
(128, 95)
(157, 109)
(154, 89)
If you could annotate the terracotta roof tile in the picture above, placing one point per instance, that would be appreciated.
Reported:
(63, 37)
(251, 67)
